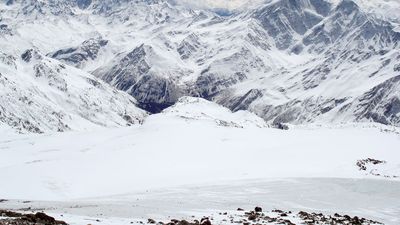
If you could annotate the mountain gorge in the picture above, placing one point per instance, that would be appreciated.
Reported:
(297, 62)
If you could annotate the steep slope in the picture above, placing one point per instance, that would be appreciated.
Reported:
(380, 104)
(351, 52)
(39, 94)
(350, 27)
(145, 75)
(80, 55)
(387, 9)
(286, 20)
(287, 61)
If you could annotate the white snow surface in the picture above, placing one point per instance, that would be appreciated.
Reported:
(169, 150)
(185, 162)
(373, 199)
(191, 108)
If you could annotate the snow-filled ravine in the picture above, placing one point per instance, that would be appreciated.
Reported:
(180, 163)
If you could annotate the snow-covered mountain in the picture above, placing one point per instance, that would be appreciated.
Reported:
(171, 105)
(40, 94)
(303, 61)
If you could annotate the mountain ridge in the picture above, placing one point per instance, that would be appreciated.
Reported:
(308, 61)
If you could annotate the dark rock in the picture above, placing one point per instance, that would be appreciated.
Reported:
(77, 56)
(285, 19)
(37, 219)
(281, 126)
(151, 221)
(132, 73)
(30, 54)
(83, 4)
(252, 217)
(205, 221)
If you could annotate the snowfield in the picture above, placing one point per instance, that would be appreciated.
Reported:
(370, 198)
(201, 165)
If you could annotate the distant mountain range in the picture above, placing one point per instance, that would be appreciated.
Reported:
(288, 61)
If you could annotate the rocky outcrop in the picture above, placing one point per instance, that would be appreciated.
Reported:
(381, 104)
(39, 218)
(78, 56)
(43, 95)
(286, 19)
(134, 74)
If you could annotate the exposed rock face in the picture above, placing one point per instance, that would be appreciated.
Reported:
(39, 218)
(83, 4)
(133, 73)
(5, 30)
(231, 70)
(189, 46)
(8, 60)
(77, 56)
(381, 104)
(367, 38)
(41, 95)
(374, 167)
(242, 102)
(288, 61)
(31, 54)
(286, 19)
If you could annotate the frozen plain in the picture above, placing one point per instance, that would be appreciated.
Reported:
(179, 163)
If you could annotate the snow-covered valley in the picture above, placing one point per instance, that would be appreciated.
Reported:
(121, 160)
(197, 158)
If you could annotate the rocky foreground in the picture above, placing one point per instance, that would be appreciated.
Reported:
(253, 217)
(39, 218)
(276, 216)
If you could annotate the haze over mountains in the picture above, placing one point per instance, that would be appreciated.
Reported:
(297, 62)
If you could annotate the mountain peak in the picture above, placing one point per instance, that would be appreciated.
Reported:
(347, 6)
